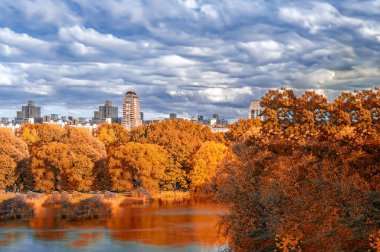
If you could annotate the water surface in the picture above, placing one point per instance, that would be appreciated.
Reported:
(153, 227)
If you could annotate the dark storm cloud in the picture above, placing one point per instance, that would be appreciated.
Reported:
(185, 56)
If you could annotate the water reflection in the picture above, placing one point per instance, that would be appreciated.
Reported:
(167, 225)
(6, 239)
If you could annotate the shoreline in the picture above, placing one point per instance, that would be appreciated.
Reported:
(81, 205)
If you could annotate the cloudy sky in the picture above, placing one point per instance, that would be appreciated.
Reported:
(185, 56)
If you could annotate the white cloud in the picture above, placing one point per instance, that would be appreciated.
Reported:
(38, 13)
(81, 49)
(38, 89)
(23, 42)
(7, 50)
(263, 50)
(225, 95)
(172, 61)
(209, 11)
(319, 77)
(192, 4)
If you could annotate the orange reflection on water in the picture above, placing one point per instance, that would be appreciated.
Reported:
(6, 239)
(154, 224)
(86, 239)
(175, 225)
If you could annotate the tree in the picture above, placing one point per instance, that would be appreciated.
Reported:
(309, 192)
(206, 162)
(181, 139)
(241, 129)
(48, 165)
(13, 156)
(36, 135)
(92, 158)
(81, 141)
(112, 135)
(308, 178)
(79, 176)
(137, 165)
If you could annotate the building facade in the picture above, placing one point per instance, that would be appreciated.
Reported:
(29, 113)
(255, 110)
(131, 111)
(173, 116)
(106, 113)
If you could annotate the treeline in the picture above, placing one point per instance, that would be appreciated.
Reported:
(307, 178)
(165, 155)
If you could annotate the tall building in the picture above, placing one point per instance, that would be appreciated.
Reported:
(106, 113)
(29, 113)
(131, 111)
(255, 110)
(173, 116)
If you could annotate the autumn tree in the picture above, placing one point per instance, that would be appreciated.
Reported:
(241, 129)
(181, 139)
(36, 135)
(279, 110)
(79, 176)
(90, 155)
(71, 162)
(81, 141)
(48, 165)
(138, 165)
(112, 135)
(310, 175)
(13, 156)
(205, 163)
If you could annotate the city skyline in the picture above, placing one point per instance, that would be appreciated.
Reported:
(200, 57)
(105, 113)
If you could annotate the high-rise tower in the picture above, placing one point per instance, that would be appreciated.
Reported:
(131, 111)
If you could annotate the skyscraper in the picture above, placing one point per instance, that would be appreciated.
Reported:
(131, 111)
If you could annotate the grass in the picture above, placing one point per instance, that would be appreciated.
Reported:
(16, 207)
(6, 195)
(173, 196)
(76, 205)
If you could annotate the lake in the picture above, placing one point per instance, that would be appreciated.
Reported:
(150, 227)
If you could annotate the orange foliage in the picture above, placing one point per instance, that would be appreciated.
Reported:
(13, 155)
(181, 139)
(112, 135)
(206, 161)
(311, 172)
(137, 165)
(241, 129)
(40, 134)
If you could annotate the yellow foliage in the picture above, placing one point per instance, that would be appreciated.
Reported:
(137, 165)
(288, 243)
(13, 153)
(374, 241)
(205, 163)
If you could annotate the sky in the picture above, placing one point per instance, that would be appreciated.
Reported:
(190, 57)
